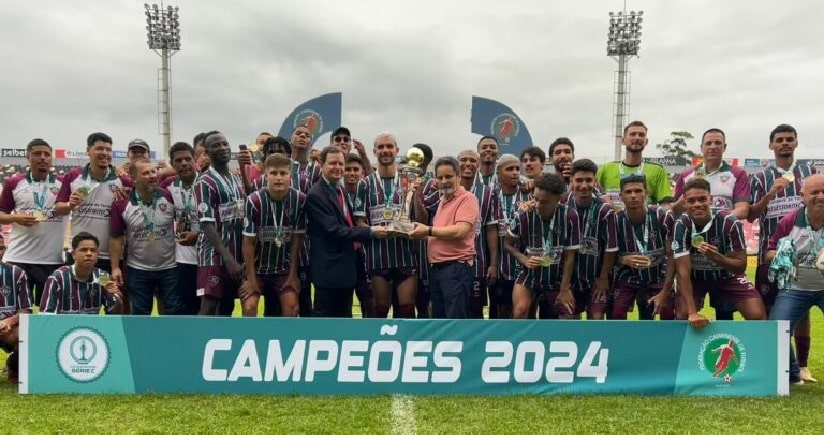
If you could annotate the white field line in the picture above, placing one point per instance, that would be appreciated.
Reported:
(403, 415)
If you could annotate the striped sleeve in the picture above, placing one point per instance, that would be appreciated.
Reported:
(251, 222)
(681, 233)
(52, 295)
(609, 234)
(205, 197)
(572, 237)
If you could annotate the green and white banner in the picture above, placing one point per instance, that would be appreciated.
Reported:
(114, 354)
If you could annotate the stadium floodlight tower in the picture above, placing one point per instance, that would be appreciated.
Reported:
(163, 27)
(623, 41)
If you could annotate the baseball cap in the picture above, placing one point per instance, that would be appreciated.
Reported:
(341, 130)
(138, 143)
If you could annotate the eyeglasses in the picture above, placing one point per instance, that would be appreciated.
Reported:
(344, 139)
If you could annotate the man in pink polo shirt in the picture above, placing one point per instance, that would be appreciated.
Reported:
(451, 247)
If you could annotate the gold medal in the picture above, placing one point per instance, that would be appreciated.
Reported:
(789, 177)
(697, 241)
(546, 260)
(388, 214)
(278, 241)
(700, 172)
(38, 215)
(618, 206)
(83, 191)
(151, 236)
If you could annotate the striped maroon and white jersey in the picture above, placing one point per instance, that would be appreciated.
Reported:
(508, 266)
(269, 220)
(221, 200)
(488, 216)
(784, 203)
(598, 236)
(14, 291)
(554, 237)
(644, 238)
(724, 231)
(375, 196)
(64, 294)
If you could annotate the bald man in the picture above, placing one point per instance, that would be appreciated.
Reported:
(805, 227)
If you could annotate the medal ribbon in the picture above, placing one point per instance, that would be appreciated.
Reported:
(229, 185)
(642, 246)
(40, 199)
(706, 227)
(148, 222)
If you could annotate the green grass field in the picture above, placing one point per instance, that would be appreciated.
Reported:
(799, 413)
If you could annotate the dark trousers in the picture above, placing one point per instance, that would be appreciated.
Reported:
(187, 288)
(333, 302)
(450, 288)
(141, 285)
(305, 296)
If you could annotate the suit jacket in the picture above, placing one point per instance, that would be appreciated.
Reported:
(332, 256)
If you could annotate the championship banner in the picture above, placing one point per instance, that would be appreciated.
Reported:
(320, 115)
(124, 354)
(493, 118)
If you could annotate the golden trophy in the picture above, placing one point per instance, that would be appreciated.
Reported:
(402, 224)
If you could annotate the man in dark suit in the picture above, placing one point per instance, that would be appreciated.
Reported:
(333, 236)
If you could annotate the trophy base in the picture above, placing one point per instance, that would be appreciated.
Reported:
(401, 229)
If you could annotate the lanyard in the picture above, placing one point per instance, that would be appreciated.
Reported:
(642, 246)
(592, 214)
(274, 202)
(186, 195)
(40, 199)
(546, 230)
(388, 195)
(706, 227)
(144, 210)
(229, 186)
(812, 233)
(639, 171)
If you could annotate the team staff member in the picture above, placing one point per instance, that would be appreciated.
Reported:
(15, 298)
(145, 219)
(451, 244)
(334, 238)
(187, 228)
(89, 192)
(776, 192)
(805, 227)
(27, 204)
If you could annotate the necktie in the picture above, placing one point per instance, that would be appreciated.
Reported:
(345, 209)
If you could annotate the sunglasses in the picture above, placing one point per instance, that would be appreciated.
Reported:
(344, 139)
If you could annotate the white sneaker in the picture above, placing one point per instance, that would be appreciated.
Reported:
(805, 375)
(798, 382)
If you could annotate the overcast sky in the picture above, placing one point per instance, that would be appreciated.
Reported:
(411, 67)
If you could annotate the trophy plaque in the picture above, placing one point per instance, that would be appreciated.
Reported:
(401, 224)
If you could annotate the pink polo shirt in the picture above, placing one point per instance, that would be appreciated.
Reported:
(462, 207)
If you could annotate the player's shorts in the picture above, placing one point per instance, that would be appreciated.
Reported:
(768, 290)
(503, 291)
(593, 304)
(556, 311)
(478, 295)
(624, 296)
(215, 282)
(273, 285)
(730, 291)
(396, 274)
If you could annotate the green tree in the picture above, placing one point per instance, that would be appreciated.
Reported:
(676, 145)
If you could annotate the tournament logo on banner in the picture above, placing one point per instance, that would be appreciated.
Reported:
(722, 356)
(320, 115)
(493, 118)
